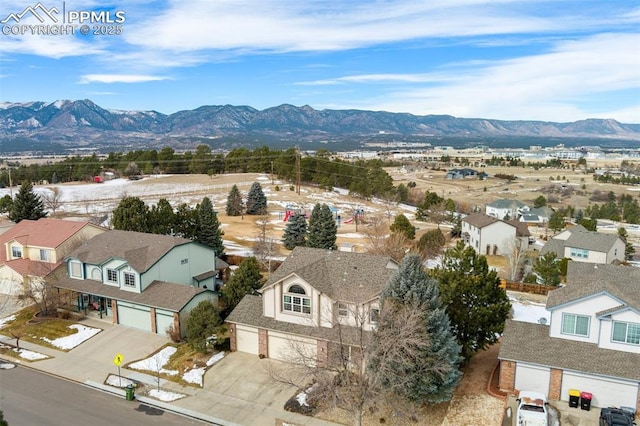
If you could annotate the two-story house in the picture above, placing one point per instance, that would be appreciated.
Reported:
(317, 302)
(146, 281)
(592, 341)
(31, 249)
(581, 245)
(491, 236)
(506, 209)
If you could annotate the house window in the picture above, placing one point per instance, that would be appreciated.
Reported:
(342, 310)
(296, 302)
(184, 261)
(16, 252)
(626, 332)
(129, 279)
(577, 325)
(75, 269)
(581, 253)
(374, 315)
(45, 255)
(112, 275)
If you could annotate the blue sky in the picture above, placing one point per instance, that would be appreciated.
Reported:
(560, 60)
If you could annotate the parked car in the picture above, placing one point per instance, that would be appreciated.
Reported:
(616, 417)
(532, 409)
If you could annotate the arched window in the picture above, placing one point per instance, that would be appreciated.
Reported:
(293, 302)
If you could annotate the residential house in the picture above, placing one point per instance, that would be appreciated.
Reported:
(316, 303)
(506, 209)
(592, 342)
(31, 249)
(146, 281)
(491, 236)
(537, 216)
(465, 173)
(579, 244)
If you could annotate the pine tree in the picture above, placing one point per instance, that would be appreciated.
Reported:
(243, 281)
(426, 369)
(402, 225)
(234, 202)
(208, 227)
(27, 205)
(203, 321)
(548, 269)
(556, 222)
(132, 214)
(476, 305)
(295, 233)
(161, 218)
(322, 228)
(256, 201)
(629, 250)
(186, 222)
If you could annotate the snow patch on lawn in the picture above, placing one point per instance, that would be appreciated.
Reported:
(119, 381)
(6, 366)
(156, 362)
(215, 358)
(69, 342)
(6, 320)
(527, 311)
(165, 395)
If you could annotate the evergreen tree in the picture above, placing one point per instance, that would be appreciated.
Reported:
(295, 233)
(402, 226)
(203, 321)
(132, 214)
(27, 204)
(322, 228)
(162, 218)
(589, 224)
(186, 222)
(476, 305)
(256, 201)
(556, 222)
(426, 369)
(234, 202)
(6, 203)
(243, 281)
(548, 269)
(3, 422)
(431, 242)
(629, 250)
(208, 227)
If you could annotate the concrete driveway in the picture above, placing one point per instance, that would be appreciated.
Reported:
(239, 390)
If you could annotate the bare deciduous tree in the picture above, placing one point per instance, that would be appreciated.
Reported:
(381, 242)
(265, 247)
(52, 199)
(516, 252)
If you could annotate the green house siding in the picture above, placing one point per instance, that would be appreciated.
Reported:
(180, 265)
(184, 313)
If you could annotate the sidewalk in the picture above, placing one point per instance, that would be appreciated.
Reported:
(236, 391)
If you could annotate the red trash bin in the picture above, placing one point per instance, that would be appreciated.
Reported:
(585, 401)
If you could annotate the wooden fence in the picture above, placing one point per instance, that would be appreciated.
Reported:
(525, 288)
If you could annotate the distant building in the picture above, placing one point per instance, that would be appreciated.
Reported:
(581, 245)
(491, 236)
(504, 208)
(461, 174)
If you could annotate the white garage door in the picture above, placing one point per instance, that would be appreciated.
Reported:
(532, 378)
(134, 316)
(164, 320)
(292, 349)
(247, 339)
(606, 392)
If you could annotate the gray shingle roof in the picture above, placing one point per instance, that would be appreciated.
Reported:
(345, 276)
(586, 279)
(553, 246)
(139, 249)
(522, 229)
(506, 204)
(583, 239)
(170, 296)
(249, 312)
(527, 342)
(480, 220)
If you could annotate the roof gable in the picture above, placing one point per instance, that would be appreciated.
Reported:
(353, 277)
(506, 204)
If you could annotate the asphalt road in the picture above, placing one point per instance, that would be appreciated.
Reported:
(28, 397)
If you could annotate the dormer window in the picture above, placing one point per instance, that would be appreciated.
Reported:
(16, 252)
(296, 301)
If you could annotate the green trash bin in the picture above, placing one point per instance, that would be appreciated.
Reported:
(129, 392)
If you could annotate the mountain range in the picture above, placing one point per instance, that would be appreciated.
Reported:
(71, 125)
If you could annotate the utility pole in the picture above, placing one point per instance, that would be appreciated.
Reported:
(271, 172)
(297, 169)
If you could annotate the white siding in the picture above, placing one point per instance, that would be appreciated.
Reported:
(294, 349)
(586, 307)
(532, 378)
(134, 315)
(247, 339)
(606, 331)
(606, 392)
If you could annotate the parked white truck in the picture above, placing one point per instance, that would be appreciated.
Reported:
(532, 409)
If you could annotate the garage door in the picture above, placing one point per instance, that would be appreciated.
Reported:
(606, 392)
(532, 378)
(164, 320)
(134, 316)
(292, 349)
(247, 339)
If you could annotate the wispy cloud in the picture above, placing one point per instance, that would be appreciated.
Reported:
(119, 78)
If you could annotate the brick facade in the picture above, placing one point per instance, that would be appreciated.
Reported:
(507, 375)
(263, 343)
(176, 322)
(114, 311)
(555, 384)
(233, 338)
(638, 403)
(322, 353)
(154, 326)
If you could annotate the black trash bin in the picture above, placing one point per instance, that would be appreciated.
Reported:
(585, 401)
(574, 398)
(129, 392)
